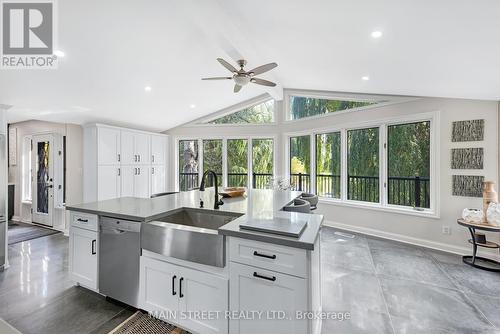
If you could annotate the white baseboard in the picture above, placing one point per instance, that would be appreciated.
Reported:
(411, 240)
(16, 219)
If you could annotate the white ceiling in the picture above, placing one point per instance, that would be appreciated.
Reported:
(115, 48)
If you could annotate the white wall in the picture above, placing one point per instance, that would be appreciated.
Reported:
(410, 228)
(74, 156)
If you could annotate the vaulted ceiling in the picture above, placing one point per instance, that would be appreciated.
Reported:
(115, 48)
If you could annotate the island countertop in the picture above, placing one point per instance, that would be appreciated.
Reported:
(257, 204)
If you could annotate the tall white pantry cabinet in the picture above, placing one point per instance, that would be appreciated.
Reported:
(120, 162)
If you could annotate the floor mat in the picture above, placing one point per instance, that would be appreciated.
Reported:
(19, 232)
(142, 323)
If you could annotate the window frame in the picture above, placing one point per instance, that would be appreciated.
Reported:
(382, 123)
(224, 154)
(27, 169)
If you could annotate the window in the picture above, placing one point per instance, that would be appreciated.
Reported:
(328, 163)
(300, 163)
(257, 114)
(363, 165)
(26, 161)
(302, 107)
(408, 164)
(188, 164)
(212, 160)
(262, 162)
(237, 162)
(236, 159)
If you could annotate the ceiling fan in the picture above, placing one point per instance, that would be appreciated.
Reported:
(242, 77)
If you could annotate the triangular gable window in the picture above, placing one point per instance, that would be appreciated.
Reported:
(302, 107)
(257, 114)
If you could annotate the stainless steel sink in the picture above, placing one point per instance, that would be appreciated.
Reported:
(189, 234)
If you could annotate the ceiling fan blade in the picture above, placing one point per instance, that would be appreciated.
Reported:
(217, 78)
(227, 65)
(263, 68)
(262, 82)
(237, 88)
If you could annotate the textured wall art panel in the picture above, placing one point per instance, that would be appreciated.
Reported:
(468, 185)
(472, 130)
(467, 158)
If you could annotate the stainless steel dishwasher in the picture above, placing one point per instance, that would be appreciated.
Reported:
(119, 253)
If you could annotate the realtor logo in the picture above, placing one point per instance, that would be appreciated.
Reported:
(28, 32)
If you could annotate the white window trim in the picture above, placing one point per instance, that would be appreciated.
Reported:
(26, 170)
(287, 93)
(382, 123)
(224, 154)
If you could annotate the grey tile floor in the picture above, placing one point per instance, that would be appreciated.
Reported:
(390, 287)
(386, 286)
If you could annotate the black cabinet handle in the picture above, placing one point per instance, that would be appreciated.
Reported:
(173, 285)
(180, 287)
(82, 220)
(272, 257)
(93, 247)
(264, 277)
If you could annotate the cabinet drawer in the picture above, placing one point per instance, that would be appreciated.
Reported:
(278, 258)
(84, 220)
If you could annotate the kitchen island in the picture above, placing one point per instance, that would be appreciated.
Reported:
(196, 267)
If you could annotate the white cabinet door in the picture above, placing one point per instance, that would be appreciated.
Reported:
(158, 287)
(158, 149)
(84, 249)
(127, 180)
(108, 182)
(141, 181)
(142, 148)
(108, 146)
(157, 179)
(128, 155)
(203, 292)
(255, 289)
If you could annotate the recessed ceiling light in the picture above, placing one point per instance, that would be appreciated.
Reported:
(192, 106)
(59, 53)
(365, 78)
(147, 88)
(376, 34)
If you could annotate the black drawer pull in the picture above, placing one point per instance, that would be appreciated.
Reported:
(180, 287)
(82, 220)
(173, 285)
(93, 247)
(272, 257)
(264, 277)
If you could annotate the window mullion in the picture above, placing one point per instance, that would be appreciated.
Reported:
(224, 162)
(312, 166)
(343, 168)
(383, 164)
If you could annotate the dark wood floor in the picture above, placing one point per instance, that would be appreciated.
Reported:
(386, 286)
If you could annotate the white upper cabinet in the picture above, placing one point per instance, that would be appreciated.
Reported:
(118, 162)
(158, 149)
(142, 148)
(128, 156)
(135, 148)
(108, 146)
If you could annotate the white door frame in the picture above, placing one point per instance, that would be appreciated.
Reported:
(41, 217)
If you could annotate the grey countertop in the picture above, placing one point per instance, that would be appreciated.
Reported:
(257, 204)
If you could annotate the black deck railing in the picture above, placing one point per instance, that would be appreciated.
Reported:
(406, 191)
(190, 181)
